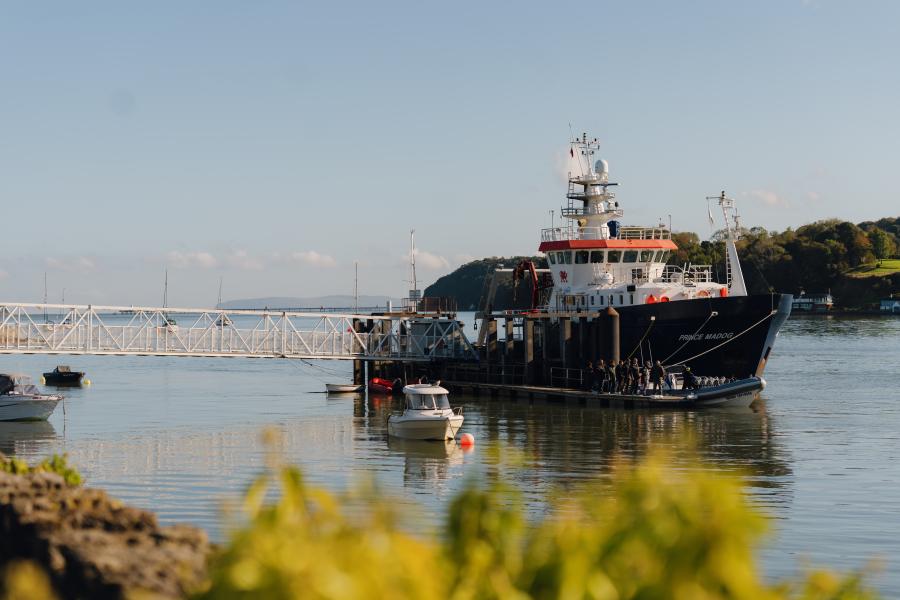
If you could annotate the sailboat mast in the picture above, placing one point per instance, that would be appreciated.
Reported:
(166, 290)
(356, 286)
(219, 301)
(45, 296)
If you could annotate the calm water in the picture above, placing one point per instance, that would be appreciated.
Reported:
(178, 435)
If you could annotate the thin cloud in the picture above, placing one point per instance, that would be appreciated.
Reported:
(78, 264)
(241, 259)
(429, 261)
(191, 260)
(767, 197)
(311, 258)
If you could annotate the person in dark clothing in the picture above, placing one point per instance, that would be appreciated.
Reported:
(635, 376)
(690, 380)
(611, 377)
(657, 376)
(587, 376)
(600, 372)
(621, 376)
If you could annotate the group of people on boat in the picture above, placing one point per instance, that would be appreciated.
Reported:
(624, 377)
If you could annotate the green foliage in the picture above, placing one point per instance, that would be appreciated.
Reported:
(653, 532)
(23, 580)
(55, 464)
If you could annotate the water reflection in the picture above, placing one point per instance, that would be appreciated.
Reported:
(427, 462)
(26, 437)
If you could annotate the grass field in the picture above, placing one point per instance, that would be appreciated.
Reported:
(877, 269)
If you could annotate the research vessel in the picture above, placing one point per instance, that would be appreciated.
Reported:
(677, 314)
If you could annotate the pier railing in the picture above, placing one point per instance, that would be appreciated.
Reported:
(78, 329)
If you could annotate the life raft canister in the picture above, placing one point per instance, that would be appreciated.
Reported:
(663, 298)
(651, 299)
(723, 292)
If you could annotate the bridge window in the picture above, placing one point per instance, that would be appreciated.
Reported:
(592, 300)
(630, 298)
(552, 258)
(597, 256)
(646, 255)
(564, 258)
(621, 299)
(614, 256)
(602, 300)
(582, 300)
(631, 256)
(610, 300)
(581, 257)
(663, 256)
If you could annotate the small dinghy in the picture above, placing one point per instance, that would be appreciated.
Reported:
(63, 376)
(427, 416)
(20, 400)
(343, 388)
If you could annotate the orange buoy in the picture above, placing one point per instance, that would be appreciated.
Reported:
(723, 292)
(663, 298)
(467, 440)
(651, 299)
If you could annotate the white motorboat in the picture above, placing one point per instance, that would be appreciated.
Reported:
(20, 399)
(343, 388)
(427, 416)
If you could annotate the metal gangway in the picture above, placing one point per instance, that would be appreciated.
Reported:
(121, 330)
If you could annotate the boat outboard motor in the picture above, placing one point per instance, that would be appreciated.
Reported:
(397, 388)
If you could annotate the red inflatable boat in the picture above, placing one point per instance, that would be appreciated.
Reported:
(377, 385)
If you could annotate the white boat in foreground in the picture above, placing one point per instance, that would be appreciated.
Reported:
(20, 399)
(427, 416)
(343, 388)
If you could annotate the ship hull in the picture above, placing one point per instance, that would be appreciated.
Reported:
(730, 337)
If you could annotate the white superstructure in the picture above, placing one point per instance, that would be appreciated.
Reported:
(597, 262)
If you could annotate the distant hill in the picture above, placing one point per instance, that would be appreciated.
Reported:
(466, 283)
(334, 301)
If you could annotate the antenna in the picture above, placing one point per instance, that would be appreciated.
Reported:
(219, 302)
(45, 296)
(414, 291)
(166, 290)
(356, 286)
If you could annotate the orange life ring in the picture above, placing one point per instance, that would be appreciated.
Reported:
(703, 294)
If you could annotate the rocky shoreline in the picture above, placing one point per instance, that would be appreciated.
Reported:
(93, 546)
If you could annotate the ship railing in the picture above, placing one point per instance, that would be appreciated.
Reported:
(687, 275)
(561, 234)
(630, 232)
(590, 211)
(567, 378)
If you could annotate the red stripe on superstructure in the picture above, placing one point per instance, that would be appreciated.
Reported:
(598, 244)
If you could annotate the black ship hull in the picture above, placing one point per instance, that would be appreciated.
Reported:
(730, 337)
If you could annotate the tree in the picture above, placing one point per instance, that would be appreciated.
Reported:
(882, 244)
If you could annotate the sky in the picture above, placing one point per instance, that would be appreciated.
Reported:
(274, 144)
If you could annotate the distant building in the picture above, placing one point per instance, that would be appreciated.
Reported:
(891, 305)
(812, 303)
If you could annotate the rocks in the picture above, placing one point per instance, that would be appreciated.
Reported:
(93, 546)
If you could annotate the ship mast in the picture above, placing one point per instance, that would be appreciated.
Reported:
(733, 273)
